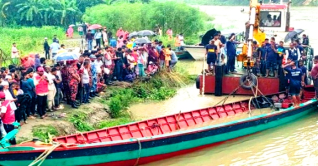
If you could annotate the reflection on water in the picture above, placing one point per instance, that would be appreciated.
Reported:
(295, 143)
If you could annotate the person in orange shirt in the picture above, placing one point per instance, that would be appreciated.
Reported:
(167, 53)
(177, 42)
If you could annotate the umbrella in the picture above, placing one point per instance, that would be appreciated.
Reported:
(146, 33)
(293, 34)
(95, 26)
(133, 34)
(208, 36)
(72, 25)
(65, 56)
(142, 41)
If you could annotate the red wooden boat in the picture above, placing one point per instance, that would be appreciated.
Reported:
(157, 138)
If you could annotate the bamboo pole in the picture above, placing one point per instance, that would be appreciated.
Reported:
(203, 76)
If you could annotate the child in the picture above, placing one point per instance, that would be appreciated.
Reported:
(23, 99)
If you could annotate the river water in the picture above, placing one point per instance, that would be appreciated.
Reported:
(295, 143)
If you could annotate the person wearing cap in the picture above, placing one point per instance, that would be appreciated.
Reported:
(41, 83)
(7, 115)
(74, 80)
(296, 80)
(46, 48)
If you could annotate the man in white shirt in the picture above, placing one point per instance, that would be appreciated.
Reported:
(85, 82)
(98, 36)
(54, 48)
(14, 53)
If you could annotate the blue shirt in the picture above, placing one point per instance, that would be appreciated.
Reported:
(271, 54)
(304, 70)
(231, 49)
(113, 42)
(262, 50)
(159, 48)
(174, 57)
(55, 47)
(295, 76)
(293, 54)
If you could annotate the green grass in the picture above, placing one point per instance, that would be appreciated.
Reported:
(79, 120)
(28, 40)
(124, 119)
(44, 132)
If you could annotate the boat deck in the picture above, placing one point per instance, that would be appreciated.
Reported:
(164, 125)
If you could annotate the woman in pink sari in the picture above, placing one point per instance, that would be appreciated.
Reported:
(70, 32)
(169, 33)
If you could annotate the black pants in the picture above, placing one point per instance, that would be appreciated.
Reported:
(47, 54)
(8, 128)
(98, 43)
(316, 86)
(57, 97)
(41, 105)
(80, 93)
(20, 113)
(231, 63)
(119, 70)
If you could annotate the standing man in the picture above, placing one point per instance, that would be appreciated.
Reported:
(314, 75)
(46, 47)
(271, 59)
(89, 38)
(14, 53)
(231, 53)
(98, 36)
(74, 80)
(296, 81)
(55, 39)
(211, 53)
(293, 53)
(281, 54)
(54, 48)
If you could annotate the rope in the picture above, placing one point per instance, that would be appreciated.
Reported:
(137, 161)
(39, 160)
(249, 107)
(178, 126)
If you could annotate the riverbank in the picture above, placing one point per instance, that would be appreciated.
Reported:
(110, 108)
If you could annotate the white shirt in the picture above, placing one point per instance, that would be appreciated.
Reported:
(14, 52)
(10, 97)
(98, 64)
(85, 77)
(108, 62)
(51, 79)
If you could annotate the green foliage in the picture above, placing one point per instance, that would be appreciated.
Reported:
(124, 119)
(43, 12)
(137, 16)
(79, 121)
(27, 39)
(43, 132)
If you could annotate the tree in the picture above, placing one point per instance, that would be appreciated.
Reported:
(67, 10)
(30, 11)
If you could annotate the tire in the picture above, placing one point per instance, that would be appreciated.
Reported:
(197, 82)
(251, 77)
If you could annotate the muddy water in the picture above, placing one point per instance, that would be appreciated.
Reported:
(295, 143)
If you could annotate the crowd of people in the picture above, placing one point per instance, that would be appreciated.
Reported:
(30, 92)
(270, 58)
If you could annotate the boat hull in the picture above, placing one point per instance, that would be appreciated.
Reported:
(230, 82)
(158, 147)
(197, 52)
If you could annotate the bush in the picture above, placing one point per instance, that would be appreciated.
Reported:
(133, 17)
(79, 121)
(42, 132)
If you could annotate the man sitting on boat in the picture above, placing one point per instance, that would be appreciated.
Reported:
(296, 80)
